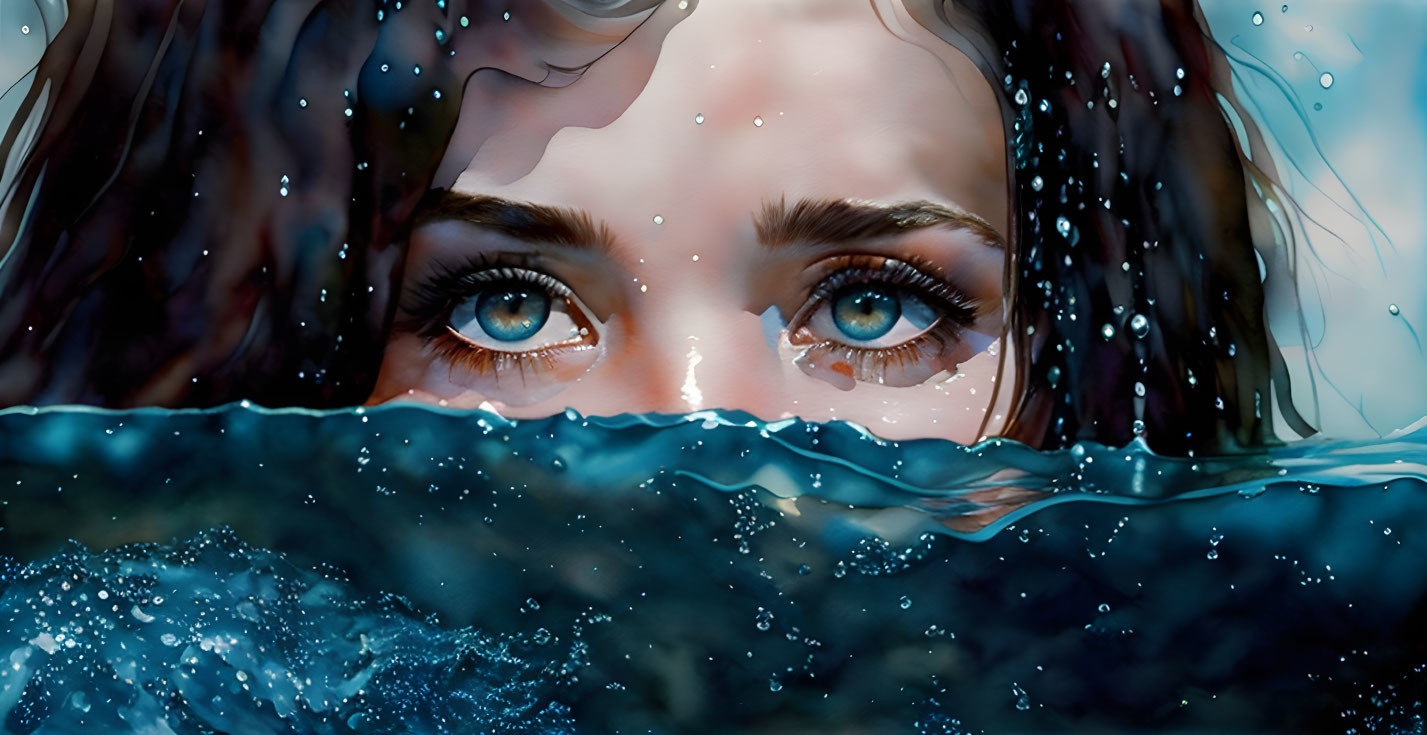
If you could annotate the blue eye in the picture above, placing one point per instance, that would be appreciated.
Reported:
(866, 311)
(512, 313)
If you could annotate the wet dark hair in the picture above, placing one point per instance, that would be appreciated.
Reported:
(1136, 297)
(211, 202)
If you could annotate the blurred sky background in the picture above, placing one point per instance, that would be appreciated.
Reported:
(1353, 155)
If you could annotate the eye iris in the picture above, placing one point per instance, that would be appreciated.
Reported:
(866, 312)
(512, 314)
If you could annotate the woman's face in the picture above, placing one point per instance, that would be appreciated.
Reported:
(801, 214)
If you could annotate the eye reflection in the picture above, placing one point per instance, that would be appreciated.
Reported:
(866, 312)
(511, 314)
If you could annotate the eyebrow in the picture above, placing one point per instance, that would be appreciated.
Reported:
(522, 220)
(814, 221)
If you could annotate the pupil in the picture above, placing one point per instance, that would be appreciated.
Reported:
(512, 314)
(866, 312)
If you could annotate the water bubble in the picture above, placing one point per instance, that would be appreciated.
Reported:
(1393, 310)
(1037, 183)
(658, 219)
(1326, 80)
(1021, 97)
(1258, 18)
(763, 620)
(1108, 331)
(758, 122)
(1062, 225)
(1140, 325)
(905, 603)
(699, 119)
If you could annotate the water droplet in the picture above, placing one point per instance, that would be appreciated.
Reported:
(658, 219)
(1317, 105)
(1140, 325)
(1139, 389)
(1023, 700)
(758, 122)
(1104, 608)
(302, 102)
(416, 70)
(1062, 225)
(905, 603)
(440, 36)
(1258, 18)
(1021, 97)
(1387, 531)
(1326, 80)
(436, 94)
(465, 22)
(532, 603)
(1179, 72)
(1393, 310)
(699, 119)
(1283, 9)
(1178, 90)
(1053, 375)
(763, 620)
(1212, 555)
(774, 685)
(25, 30)
(804, 570)
(1138, 427)
(1108, 331)
(505, 16)
(1037, 183)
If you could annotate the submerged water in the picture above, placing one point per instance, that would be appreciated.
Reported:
(408, 570)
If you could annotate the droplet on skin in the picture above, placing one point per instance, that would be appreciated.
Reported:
(699, 119)
(1393, 310)
(1258, 19)
(758, 122)
(1326, 80)
(658, 219)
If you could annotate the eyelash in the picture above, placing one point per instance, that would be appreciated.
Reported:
(957, 311)
(428, 313)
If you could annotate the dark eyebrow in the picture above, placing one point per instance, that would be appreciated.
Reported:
(521, 220)
(812, 221)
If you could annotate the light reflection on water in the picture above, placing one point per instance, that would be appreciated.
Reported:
(458, 572)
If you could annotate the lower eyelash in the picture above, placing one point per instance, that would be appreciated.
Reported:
(459, 352)
(870, 364)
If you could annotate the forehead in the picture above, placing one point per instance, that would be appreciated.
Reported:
(755, 99)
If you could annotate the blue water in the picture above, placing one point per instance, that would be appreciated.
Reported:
(409, 570)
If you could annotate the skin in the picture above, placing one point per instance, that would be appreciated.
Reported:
(690, 310)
